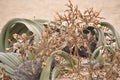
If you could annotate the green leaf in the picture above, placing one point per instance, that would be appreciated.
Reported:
(8, 69)
(69, 62)
(6, 61)
(100, 59)
(69, 59)
(19, 26)
(10, 61)
(46, 70)
(115, 33)
(56, 71)
(66, 66)
(95, 54)
(101, 38)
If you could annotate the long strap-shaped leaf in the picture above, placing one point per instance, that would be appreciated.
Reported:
(96, 52)
(58, 68)
(101, 38)
(9, 71)
(45, 75)
(10, 59)
(10, 62)
(46, 70)
(18, 25)
(115, 33)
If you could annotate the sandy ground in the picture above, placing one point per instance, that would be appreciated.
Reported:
(46, 9)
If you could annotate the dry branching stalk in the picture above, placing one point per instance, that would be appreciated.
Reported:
(78, 35)
(73, 32)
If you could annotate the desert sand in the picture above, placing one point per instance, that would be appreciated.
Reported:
(46, 9)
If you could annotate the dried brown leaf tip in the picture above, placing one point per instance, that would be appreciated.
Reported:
(4, 76)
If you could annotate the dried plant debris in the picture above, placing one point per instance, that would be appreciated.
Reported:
(3, 75)
(81, 37)
(79, 31)
(77, 34)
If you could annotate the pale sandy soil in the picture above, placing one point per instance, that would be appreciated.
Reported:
(46, 9)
